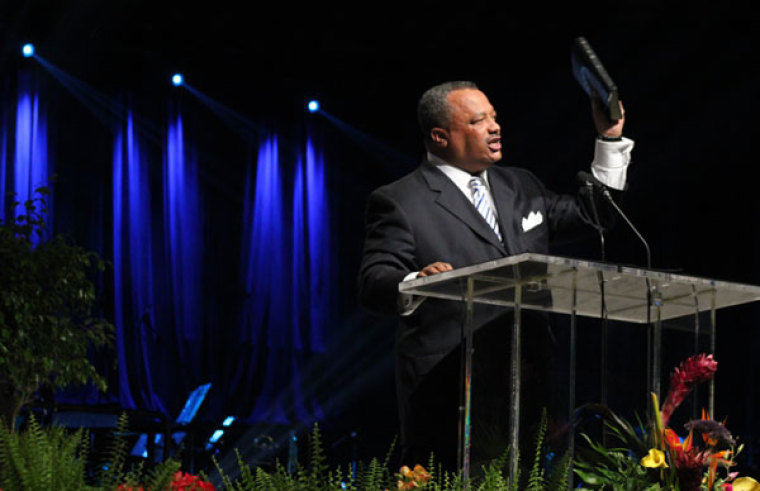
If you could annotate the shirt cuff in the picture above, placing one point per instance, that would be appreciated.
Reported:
(407, 303)
(611, 160)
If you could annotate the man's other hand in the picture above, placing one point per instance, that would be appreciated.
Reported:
(435, 268)
(604, 125)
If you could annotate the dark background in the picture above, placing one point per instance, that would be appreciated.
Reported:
(687, 75)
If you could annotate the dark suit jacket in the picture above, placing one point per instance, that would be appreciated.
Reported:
(423, 218)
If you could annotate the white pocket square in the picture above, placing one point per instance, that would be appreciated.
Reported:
(533, 219)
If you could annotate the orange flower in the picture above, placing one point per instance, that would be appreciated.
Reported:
(412, 479)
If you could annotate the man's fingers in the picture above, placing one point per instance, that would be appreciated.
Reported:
(435, 268)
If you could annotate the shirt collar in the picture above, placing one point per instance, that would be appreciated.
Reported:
(460, 177)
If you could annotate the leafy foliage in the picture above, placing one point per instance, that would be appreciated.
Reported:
(376, 476)
(613, 468)
(37, 458)
(48, 311)
(655, 457)
(40, 458)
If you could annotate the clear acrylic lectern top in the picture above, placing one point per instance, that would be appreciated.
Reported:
(548, 282)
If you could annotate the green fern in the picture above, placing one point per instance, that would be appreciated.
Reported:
(226, 481)
(317, 461)
(11, 472)
(41, 459)
(376, 475)
(246, 480)
(112, 465)
(262, 481)
(371, 476)
(536, 476)
(496, 473)
(558, 478)
(161, 474)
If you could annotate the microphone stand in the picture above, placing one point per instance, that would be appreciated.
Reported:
(654, 333)
(603, 307)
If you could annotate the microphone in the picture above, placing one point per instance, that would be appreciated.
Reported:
(589, 181)
(592, 182)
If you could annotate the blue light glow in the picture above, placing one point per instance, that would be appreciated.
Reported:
(313, 106)
(193, 403)
(216, 436)
(228, 420)
(27, 50)
(133, 270)
(177, 79)
(31, 152)
(286, 262)
(184, 242)
(3, 163)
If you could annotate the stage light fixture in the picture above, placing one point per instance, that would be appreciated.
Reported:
(313, 106)
(27, 50)
(177, 79)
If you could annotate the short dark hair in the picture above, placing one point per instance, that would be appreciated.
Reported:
(433, 108)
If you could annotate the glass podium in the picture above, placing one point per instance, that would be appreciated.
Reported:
(576, 288)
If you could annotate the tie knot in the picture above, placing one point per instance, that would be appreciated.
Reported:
(476, 182)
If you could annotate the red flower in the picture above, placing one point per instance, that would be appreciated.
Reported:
(692, 371)
(188, 482)
(689, 465)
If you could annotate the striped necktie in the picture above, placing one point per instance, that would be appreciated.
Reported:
(480, 201)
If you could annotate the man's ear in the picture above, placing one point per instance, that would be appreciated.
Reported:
(439, 137)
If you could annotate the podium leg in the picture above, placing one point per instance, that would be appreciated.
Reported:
(571, 381)
(695, 398)
(514, 430)
(463, 450)
(711, 387)
(656, 348)
(604, 349)
(657, 353)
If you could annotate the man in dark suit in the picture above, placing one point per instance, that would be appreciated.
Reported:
(439, 218)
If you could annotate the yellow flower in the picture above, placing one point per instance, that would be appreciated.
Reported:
(655, 458)
(745, 484)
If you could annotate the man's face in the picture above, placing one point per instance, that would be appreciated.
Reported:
(473, 140)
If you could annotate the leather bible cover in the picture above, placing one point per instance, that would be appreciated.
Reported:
(591, 75)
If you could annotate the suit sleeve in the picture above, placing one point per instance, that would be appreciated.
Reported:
(389, 254)
(571, 214)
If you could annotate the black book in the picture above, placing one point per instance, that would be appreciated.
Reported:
(590, 73)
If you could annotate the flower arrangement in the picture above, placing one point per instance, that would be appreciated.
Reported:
(181, 481)
(661, 459)
(412, 478)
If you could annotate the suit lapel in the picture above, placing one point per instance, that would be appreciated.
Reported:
(505, 200)
(452, 199)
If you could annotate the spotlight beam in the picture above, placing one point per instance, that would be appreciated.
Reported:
(372, 145)
(243, 126)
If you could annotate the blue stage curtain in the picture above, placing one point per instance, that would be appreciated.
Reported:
(30, 157)
(261, 366)
(4, 128)
(261, 339)
(184, 266)
(288, 281)
(134, 273)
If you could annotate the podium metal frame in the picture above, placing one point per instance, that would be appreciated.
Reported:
(573, 287)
